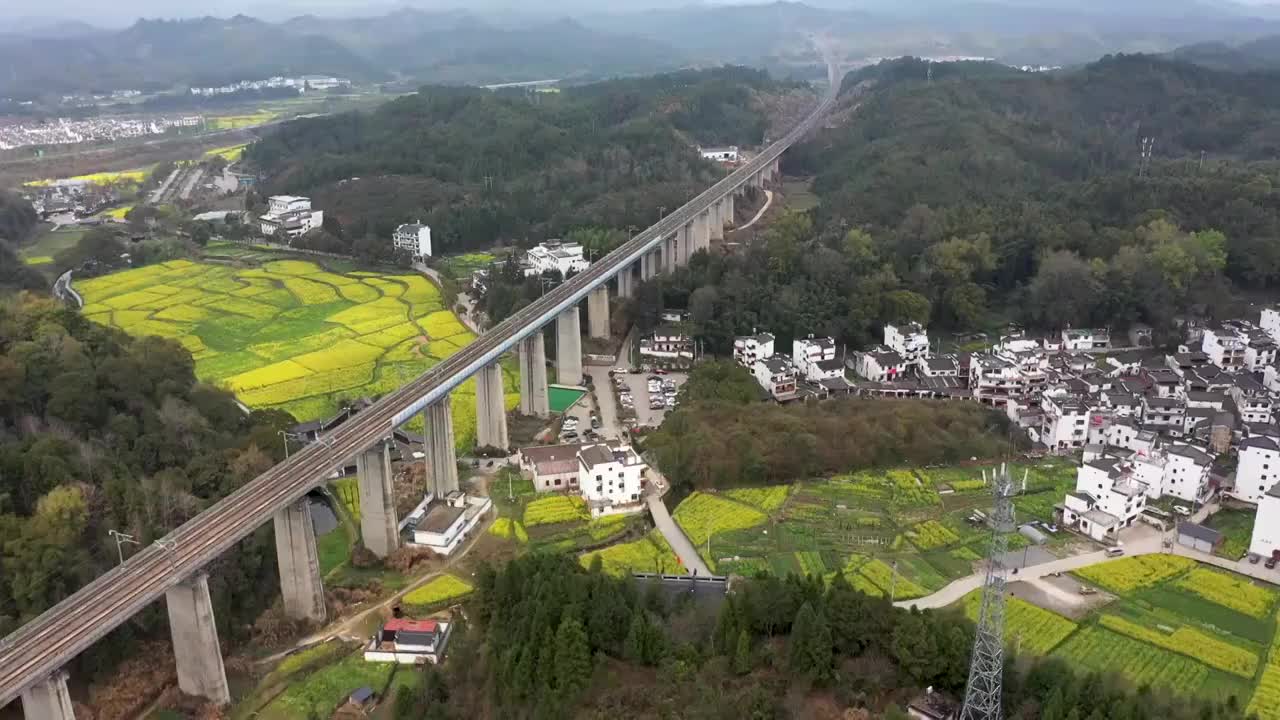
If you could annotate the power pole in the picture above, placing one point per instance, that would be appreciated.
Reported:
(986, 668)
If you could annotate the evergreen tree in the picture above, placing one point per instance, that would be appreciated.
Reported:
(633, 647)
(810, 647)
(572, 666)
(728, 627)
(1055, 707)
(742, 657)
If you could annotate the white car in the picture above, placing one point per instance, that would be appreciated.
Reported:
(1182, 510)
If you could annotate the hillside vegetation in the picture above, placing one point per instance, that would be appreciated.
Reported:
(481, 166)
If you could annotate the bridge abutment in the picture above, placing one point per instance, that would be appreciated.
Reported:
(48, 699)
(533, 376)
(195, 640)
(569, 347)
(378, 527)
(299, 563)
(491, 408)
(598, 312)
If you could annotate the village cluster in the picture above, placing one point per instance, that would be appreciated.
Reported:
(64, 131)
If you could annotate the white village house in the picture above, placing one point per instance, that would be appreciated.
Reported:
(290, 213)
(414, 238)
(555, 256)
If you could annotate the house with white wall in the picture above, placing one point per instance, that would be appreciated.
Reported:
(1266, 525)
(551, 467)
(879, 365)
(1108, 498)
(1254, 472)
(291, 214)
(1224, 347)
(1086, 339)
(1186, 474)
(777, 376)
(1064, 424)
(415, 239)
(747, 349)
(668, 345)
(555, 256)
(611, 478)
(910, 340)
(815, 359)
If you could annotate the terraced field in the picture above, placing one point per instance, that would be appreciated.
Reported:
(290, 335)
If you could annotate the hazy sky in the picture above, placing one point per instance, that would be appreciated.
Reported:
(124, 12)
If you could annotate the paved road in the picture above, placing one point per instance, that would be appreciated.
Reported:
(1149, 542)
(53, 639)
(676, 538)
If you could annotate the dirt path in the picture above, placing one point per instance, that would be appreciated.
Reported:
(768, 200)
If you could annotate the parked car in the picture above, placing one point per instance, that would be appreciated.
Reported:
(1271, 562)
(595, 423)
(1254, 558)
(661, 371)
(569, 436)
(1182, 510)
(1115, 552)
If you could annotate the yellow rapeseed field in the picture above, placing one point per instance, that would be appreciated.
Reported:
(290, 335)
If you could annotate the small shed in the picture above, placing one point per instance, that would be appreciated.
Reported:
(1031, 533)
(362, 697)
(1198, 537)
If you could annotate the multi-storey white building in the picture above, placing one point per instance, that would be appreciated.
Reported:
(1254, 474)
(720, 154)
(1225, 347)
(815, 359)
(749, 348)
(777, 376)
(909, 340)
(290, 213)
(611, 478)
(1266, 526)
(880, 365)
(1086, 339)
(414, 238)
(1164, 414)
(1186, 474)
(555, 256)
(668, 345)
(1108, 497)
(1064, 423)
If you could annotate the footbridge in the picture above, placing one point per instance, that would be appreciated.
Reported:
(32, 659)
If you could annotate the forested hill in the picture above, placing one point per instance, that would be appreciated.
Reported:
(990, 195)
(99, 432)
(480, 166)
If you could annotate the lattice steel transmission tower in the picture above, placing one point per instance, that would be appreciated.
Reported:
(986, 668)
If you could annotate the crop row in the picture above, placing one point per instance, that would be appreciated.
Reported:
(555, 509)
(1266, 696)
(1134, 573)
(1229, 591)
(767, 499)
(702, 516)
(507, 528)
(1028, 627)
(1100, 650)
(648, 554)
(1190, 642)
(441, 590)
(932, 534)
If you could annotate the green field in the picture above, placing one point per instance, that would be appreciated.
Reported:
(916, 518)
(47, 245)
(1236, 527)
(549, 522)
(561, 398)
(1186, 628)
(290, 335)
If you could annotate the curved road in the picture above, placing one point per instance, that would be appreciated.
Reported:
(48, 642)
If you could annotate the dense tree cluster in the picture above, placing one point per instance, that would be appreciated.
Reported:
(17, 218)
(711, 442)
(550, 639)
(986, 189)
(480, 166)
(99, 432)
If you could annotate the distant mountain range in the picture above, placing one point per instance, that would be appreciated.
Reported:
(1260, 54)
(465, 46)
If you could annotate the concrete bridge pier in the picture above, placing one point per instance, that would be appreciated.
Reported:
(648, 265)
(598, 312)
(626, 282)
(195, 640)
(378, 526)
(702, 230)
(48, 699)
(441, 448)
(533, 376)
(299, 563)
(569, 347)
(729, 219)
(688, 241)
(491, 408)
(715, 231)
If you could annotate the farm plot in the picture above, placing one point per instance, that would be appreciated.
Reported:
(1134, 573)
(1230, 591)
(649, 554)
(1100, 650)
(291, 336)
(1266, 696)
(439, 591)
(1187, 641)
(1028, 628)
(555, 509)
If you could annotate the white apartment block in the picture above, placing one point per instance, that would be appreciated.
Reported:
(747, 349)
(879, 365)
(815, 359)
(720, 154)
(555, 256)
(1254, 474)
(611, 478)
(1186, 474)
(1108, 497)
(1224, 348)
(1164, 414)
(1086, 339)
(290, 213)
(1266, 526)
(668, 345)
(777, 376)
(414, 238)
(909, 340)
(1064, 423)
